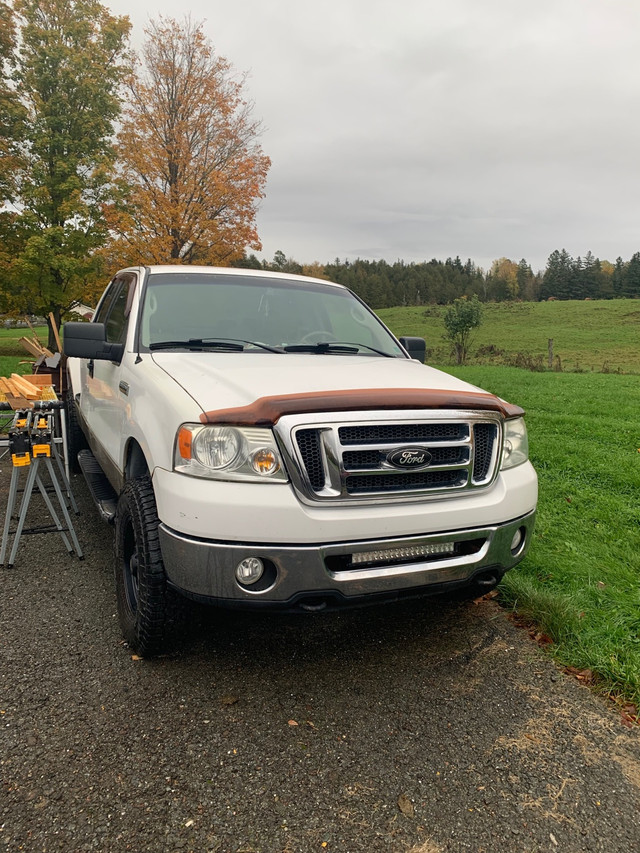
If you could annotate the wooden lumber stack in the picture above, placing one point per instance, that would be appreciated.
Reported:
(51, 364)
(21, 391)
(34, 346)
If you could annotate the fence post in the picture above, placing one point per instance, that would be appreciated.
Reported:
(550, 353)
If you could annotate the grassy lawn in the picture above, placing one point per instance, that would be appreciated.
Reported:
(580, 582)
(13, 357)
(600, 335)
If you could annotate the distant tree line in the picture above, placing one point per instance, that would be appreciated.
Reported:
(383, 285)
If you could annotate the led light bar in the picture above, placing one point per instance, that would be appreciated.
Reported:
(410, 553)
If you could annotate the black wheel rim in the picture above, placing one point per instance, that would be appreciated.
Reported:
(130, 569)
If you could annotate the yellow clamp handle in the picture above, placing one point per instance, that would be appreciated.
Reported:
(20, 460)
(41, 450)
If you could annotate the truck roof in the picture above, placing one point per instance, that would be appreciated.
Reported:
(194, 269)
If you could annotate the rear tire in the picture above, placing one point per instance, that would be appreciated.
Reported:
(150, 613)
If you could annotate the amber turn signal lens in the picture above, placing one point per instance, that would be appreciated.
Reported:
(184, 443)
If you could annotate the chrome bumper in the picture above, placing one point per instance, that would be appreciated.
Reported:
(206, 570)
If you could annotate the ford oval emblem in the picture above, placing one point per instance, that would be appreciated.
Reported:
(409, 457)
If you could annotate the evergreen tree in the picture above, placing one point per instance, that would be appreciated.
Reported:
(557, 282)
(619, 272)
(525, 280)
(631, 281)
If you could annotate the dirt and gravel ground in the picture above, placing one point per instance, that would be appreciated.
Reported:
(421, 727)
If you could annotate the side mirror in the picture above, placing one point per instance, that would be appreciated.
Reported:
(416, 347)
(89, 340)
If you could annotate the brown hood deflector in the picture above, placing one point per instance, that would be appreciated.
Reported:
(266, 411)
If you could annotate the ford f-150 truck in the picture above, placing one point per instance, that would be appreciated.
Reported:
(263, 440)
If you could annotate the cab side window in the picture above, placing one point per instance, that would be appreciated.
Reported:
(115, 309)
(102, 311)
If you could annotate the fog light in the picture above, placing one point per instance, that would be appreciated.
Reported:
(518, 540)
(264, 461)
(249, 571)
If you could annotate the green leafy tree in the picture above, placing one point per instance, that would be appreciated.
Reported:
(69, 66)
(503, 280)
(11, 131)
(11, 110)
(460, 319)
(281, 263)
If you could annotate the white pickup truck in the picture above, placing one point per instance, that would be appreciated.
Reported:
(263, 440)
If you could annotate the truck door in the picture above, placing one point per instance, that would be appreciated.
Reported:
(103, 403)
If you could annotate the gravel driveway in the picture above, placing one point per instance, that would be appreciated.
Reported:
(421, 727)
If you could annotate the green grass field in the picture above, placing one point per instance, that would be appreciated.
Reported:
(13, 357)
(600, 336)
(580, 582)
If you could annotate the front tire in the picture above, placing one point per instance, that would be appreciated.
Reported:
(149, 611)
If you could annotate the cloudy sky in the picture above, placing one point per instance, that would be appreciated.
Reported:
(416, 129)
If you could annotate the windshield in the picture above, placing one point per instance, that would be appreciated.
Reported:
(260, 314)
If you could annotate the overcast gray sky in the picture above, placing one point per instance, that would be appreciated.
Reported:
(416, 129)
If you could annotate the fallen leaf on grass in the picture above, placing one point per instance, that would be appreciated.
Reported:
(629, 713)
(487, 596)
(542, 639)
(292, 723)
(136, 657)
(228, 700)
(584, 675)
(406, 806)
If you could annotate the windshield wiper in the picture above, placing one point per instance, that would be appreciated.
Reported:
(334, 346)
(197, 343)
(229, 344)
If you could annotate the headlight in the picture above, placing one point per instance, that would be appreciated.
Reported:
(217, 448)
(515, 445)
(227, 453)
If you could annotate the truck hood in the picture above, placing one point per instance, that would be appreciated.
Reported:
(233, 380)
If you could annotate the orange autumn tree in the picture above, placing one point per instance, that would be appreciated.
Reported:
(191, 170)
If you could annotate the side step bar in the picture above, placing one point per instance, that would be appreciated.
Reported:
(101, 489)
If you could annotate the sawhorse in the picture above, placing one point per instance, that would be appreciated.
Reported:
(31, 443)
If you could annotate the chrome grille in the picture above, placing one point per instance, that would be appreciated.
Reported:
(406, 482)
(351, 459)
(355, 459)
(484, 439)
(402, 433)
(311, 452)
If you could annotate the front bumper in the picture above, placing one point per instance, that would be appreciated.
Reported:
(311, 576)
